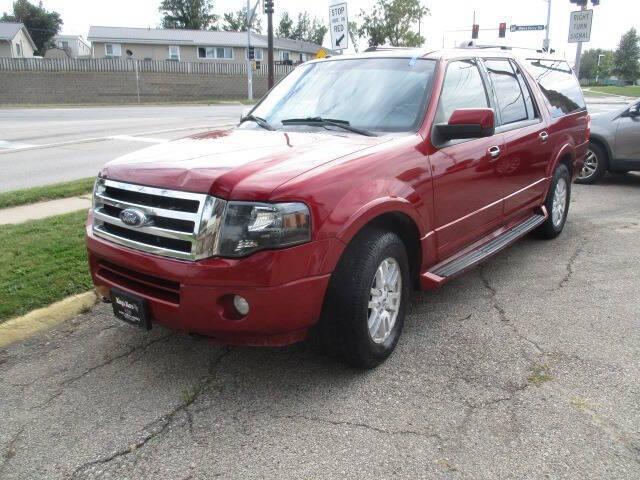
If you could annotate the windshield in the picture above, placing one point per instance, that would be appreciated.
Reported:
(376, 94)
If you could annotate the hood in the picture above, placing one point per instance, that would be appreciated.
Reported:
(236, 163)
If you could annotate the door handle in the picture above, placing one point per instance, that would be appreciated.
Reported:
(494, 152)
(544, 136)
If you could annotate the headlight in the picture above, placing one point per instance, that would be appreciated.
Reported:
(249, 227)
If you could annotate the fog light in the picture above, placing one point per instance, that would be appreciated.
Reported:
(241, 305)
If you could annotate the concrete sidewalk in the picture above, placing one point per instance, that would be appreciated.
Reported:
(50, 208)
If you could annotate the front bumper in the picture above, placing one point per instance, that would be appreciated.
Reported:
(285, 289)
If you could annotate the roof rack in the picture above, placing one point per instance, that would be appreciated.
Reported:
(472, 44)
(381, 48)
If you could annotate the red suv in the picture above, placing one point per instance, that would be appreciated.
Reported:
(355, 179)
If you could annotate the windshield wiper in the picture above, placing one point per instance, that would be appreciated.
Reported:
(260, 121)
(323, 122)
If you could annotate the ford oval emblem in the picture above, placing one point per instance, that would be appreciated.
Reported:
(133, 217)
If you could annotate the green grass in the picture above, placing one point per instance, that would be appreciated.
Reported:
(49, 192)
(539, 375)
(631, 91)
(43, 261)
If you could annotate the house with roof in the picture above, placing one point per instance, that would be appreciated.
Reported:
(69, 46)
(192, 45)
(15, 41)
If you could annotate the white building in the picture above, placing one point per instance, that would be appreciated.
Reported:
(15, 41)
(74, 45)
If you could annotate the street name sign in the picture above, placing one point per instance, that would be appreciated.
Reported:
(527, 28)
(580, 26)
(339, 26)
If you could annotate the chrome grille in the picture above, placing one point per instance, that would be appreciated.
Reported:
(176, 224)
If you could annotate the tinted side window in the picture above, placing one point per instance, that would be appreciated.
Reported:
(510, 98)
(463, 88)
(558, 84)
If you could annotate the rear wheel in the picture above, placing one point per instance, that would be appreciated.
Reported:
(366, 301)
(557, 204)
(595, 165)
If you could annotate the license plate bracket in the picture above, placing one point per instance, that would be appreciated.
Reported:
(131, 309)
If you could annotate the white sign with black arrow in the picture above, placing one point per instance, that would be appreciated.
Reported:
(339, 26)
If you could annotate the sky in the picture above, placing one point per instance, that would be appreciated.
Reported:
(611, 19)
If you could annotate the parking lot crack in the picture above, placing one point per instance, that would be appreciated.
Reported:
(69, 381)
(363, 425)
(159, 426)
(502, 313)
(614, 431)
(136, 348)
(569, 267)
(10, 448)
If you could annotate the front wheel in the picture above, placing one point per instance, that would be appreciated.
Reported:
(557, 204)
(366, 301)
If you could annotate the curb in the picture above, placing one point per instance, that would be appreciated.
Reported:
(21, 328)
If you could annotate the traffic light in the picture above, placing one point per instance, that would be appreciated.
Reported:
(580, 3)
(475, 31)
(252, 53)
(595, 2)
(268, 6)
(502, 30)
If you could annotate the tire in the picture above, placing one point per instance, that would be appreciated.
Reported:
(595, 165)
(348, 312)
(560, 187)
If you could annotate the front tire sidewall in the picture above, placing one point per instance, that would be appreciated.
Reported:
(343, 328)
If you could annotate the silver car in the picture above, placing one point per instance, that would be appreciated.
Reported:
(614, 144)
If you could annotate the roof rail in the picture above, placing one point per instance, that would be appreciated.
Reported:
(382, 48)
(472, 44)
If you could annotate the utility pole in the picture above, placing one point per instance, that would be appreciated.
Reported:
(473, 24)
(249, 69)
(546, 44)
(598, 68)
(268, 9)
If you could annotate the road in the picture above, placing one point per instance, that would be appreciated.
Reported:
(524, 368)
(39, 146)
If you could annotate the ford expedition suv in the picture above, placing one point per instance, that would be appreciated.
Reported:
(354, 180)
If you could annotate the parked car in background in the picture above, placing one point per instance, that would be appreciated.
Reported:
(354, 180)
(614, 144)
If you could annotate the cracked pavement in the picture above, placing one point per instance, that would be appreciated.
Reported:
(526, 367)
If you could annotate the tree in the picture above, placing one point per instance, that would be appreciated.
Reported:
(237, 21)
(41, 24)
(589, 68)
(317, 31)
(188, 14)
(305, 28)
(627, 57)
(285, 27)
(391, 21)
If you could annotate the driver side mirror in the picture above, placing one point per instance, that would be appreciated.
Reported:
(467, 123)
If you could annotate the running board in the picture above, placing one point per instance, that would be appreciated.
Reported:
(451, 268)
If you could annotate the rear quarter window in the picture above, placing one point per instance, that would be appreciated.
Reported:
(558, 84)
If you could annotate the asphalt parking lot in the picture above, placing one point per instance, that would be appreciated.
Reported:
(524, 368)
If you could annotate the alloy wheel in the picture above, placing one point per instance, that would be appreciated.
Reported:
(559, 202)
(384, 300)
(590, 165)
